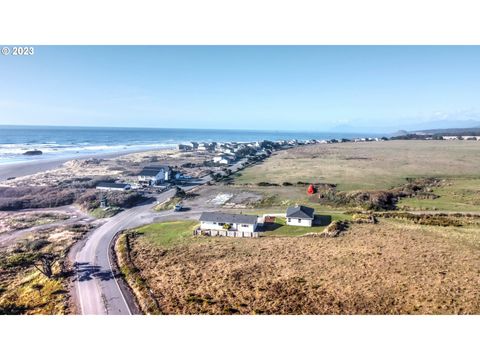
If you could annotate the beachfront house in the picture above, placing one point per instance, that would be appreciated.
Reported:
(300, 215)
(207, 146)
(184, 148)
(154, 175)
(222, 159)
(231, 222)
(194, 145)
(110, 186)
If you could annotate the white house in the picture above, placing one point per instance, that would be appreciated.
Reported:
(110, 186)
(206, 146)
(154, 175)
(222, 160)
(224, 221)
(300, 216)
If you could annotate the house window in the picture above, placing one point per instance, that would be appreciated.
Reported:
(244, 225)
(221, 224)
(289, 220)
(299, 221)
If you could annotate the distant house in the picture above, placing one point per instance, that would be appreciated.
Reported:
(154, 175)
(194, 145)
(300, 216)
(207, 146)
(222, 160)
(183, 147)
(225, 221)
(110, 186)
(469, 137)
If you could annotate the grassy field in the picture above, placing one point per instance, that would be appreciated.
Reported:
(396, 266)
(168, 234)
(393, 267)
(372, 165)
(279, 228)
(456, 195)
(12, 222)
(23, 289)
(375, 166)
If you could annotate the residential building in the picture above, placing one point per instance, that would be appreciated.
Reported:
(222, 159)
(154, 175)
(194, 145)
(225, 221)
(300, 216)
(110, 186)
(183, 147)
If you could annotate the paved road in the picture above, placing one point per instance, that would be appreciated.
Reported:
(97, 291)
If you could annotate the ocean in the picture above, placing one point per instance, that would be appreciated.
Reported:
(64, 142)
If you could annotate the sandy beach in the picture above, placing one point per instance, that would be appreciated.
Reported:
(36, 166)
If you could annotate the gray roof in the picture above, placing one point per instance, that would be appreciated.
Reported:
(228, 218)
(300, 212)
(149, 172)
(153, 170)
(157, 167)
(112, 185)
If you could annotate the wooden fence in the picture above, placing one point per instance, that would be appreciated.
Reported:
(228, 233)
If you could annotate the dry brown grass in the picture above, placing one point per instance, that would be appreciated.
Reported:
(17, 221)
(368, 166)
(23, 289)
(387, 268)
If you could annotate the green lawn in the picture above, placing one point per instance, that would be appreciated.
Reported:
(279, 228)
(168, 234)
(456, 195)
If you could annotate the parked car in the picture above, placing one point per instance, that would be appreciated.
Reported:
(178, 207)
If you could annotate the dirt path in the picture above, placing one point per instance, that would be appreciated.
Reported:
(75, 216)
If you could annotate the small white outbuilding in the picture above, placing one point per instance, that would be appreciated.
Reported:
(300, 216)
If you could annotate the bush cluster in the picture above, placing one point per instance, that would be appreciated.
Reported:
(90, 200)
(425, 219)
(23, 197)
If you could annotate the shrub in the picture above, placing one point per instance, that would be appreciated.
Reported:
(264, 183)
(37, 244)
(91, 199)
(18, 260)
(17, 198)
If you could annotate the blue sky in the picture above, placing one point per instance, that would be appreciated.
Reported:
(257, 87)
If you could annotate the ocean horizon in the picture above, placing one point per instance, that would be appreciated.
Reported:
(67, 141)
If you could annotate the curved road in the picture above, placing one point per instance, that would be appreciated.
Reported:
(96, 288)
(97, 291)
